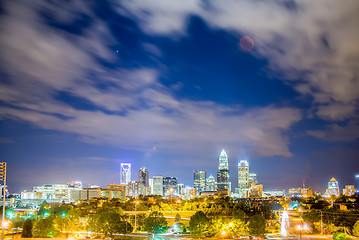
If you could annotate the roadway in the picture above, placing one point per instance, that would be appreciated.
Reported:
(293, 227)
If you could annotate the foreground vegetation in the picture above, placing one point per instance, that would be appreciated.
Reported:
(199, 217)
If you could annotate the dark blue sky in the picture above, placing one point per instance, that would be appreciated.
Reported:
(86, 85)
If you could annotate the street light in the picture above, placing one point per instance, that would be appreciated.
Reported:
(171, 190)
(135, 215)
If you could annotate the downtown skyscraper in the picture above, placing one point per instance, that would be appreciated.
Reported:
(125, 173)
(144, 183)
(223, 172)
(243, 175)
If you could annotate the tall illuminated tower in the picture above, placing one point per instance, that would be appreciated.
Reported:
(243, 174)
(125, 173)
(223, 172)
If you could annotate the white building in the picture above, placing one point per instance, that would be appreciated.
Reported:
(243, 174)
(333, 188)
(125, 173)
(158, 185)
(56, 192)
(211, 184)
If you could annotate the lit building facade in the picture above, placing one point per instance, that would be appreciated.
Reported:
(55, 192)
(125, 173)
(252, 179)
(199, 180)
(333, 188)
(143, 179)
(150, 181)
(168, 184)
(181, 190)
(349, 190)
(211, 184)
(357, 182)
(114, 191)
(274, 193)
(157, 185)
(300, 192)
(243, 174)
(133, 189)
(223, 173)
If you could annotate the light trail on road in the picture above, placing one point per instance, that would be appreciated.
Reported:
(284, 224)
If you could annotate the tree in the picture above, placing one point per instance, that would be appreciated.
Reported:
(155, 223)
(69, 222)
(27, 229)
(356, 229)
(199, 224)
(257, 225)
(237, 228)
(44, 228)
(125, 227)
(238, 214)
(109, 221)
(339, 236)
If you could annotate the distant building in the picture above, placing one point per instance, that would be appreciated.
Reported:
(349, 190)
(151, 185)
(114, 191)
(133, 189)
(333, 188)
(125, 173)
(357, 182)
(55, 192)
(223, 173)
(243, 174)
(274, 193)
(300, 192)
(181, 189)
(170, 184)
(211, 184)
(88, 193)
(256, 191)
(157, 185)
(30, 195)
(252, 179)
(143, 179)
(199, 180)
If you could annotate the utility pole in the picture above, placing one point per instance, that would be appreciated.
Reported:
(3, 178)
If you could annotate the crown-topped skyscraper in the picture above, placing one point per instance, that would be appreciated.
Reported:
(223, 172)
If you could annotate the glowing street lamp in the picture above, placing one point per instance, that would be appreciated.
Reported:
(300, 227)
(171, 190)
(135, 215)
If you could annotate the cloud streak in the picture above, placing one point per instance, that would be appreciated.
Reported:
(134, 110)
(312, 46)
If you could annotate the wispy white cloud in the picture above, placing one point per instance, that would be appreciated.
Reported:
(311, 45)
(135, 110)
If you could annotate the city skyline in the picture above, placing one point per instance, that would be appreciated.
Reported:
(247, 182)
(88, 85)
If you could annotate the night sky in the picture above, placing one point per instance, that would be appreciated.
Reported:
(166, 84)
